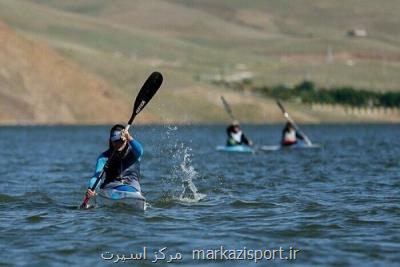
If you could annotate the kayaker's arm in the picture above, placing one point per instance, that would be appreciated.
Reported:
(101, 161)
(300, 136)
(283, 133)
(137, 148)
(246, 141)
(229, 131)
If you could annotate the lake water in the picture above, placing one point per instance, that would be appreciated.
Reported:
(336, 206)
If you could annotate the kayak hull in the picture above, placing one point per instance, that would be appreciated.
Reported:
(235, 149)
(122, 195)
(295, 146)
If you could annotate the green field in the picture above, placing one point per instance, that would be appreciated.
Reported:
(279, 42)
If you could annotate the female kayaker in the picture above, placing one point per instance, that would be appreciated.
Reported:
(236, 136)
(124, 165)
(290, 135)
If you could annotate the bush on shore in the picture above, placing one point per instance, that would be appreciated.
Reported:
(308, 93)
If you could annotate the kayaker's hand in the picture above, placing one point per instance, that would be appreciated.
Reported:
(90, 193)
(250, 143)
(125, 135)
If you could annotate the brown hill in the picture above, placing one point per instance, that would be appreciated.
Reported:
(37, 85)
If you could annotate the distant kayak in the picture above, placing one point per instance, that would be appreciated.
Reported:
(238, 149)
(122, 194)
(295, 146)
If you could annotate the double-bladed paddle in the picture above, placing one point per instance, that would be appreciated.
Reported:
(289, 119)
(149, 88)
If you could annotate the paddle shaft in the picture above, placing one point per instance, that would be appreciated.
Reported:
(149, 88)
(230, 112)
(287, 116)
(227, 108)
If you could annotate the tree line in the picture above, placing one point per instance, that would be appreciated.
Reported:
(307, 92)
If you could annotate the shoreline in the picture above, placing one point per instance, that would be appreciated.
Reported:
(200, 124)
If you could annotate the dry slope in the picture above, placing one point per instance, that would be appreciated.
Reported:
(39, 86)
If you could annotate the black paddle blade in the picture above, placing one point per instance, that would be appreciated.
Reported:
(149, 88)
(281, 106)
(227, 108)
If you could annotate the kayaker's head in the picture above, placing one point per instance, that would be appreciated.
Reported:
(116, 141)
(235, 125)
(289, 126)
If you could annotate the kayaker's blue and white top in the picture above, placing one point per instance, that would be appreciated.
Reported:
(290, 136)
(123, 169)
(236, 137)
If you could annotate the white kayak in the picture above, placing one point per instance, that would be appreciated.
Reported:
(237, 149)
(295, 146)
(122, 194)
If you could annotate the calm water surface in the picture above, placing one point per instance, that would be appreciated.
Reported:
(339, 205)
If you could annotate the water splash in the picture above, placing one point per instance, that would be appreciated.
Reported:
(190, 193)
(182, 172)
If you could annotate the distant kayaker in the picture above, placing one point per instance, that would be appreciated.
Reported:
(290, 135)
(124, 166)
(236, 136)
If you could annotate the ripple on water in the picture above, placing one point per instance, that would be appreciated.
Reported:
(338, 205)
(35, 218)
(4, 198)
(244, 204)
(166, 200)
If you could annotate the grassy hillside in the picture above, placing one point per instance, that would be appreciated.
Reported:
(279, 42)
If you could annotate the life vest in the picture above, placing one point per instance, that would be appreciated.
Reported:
(290, 137)
(237, 137)
(124, 167)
